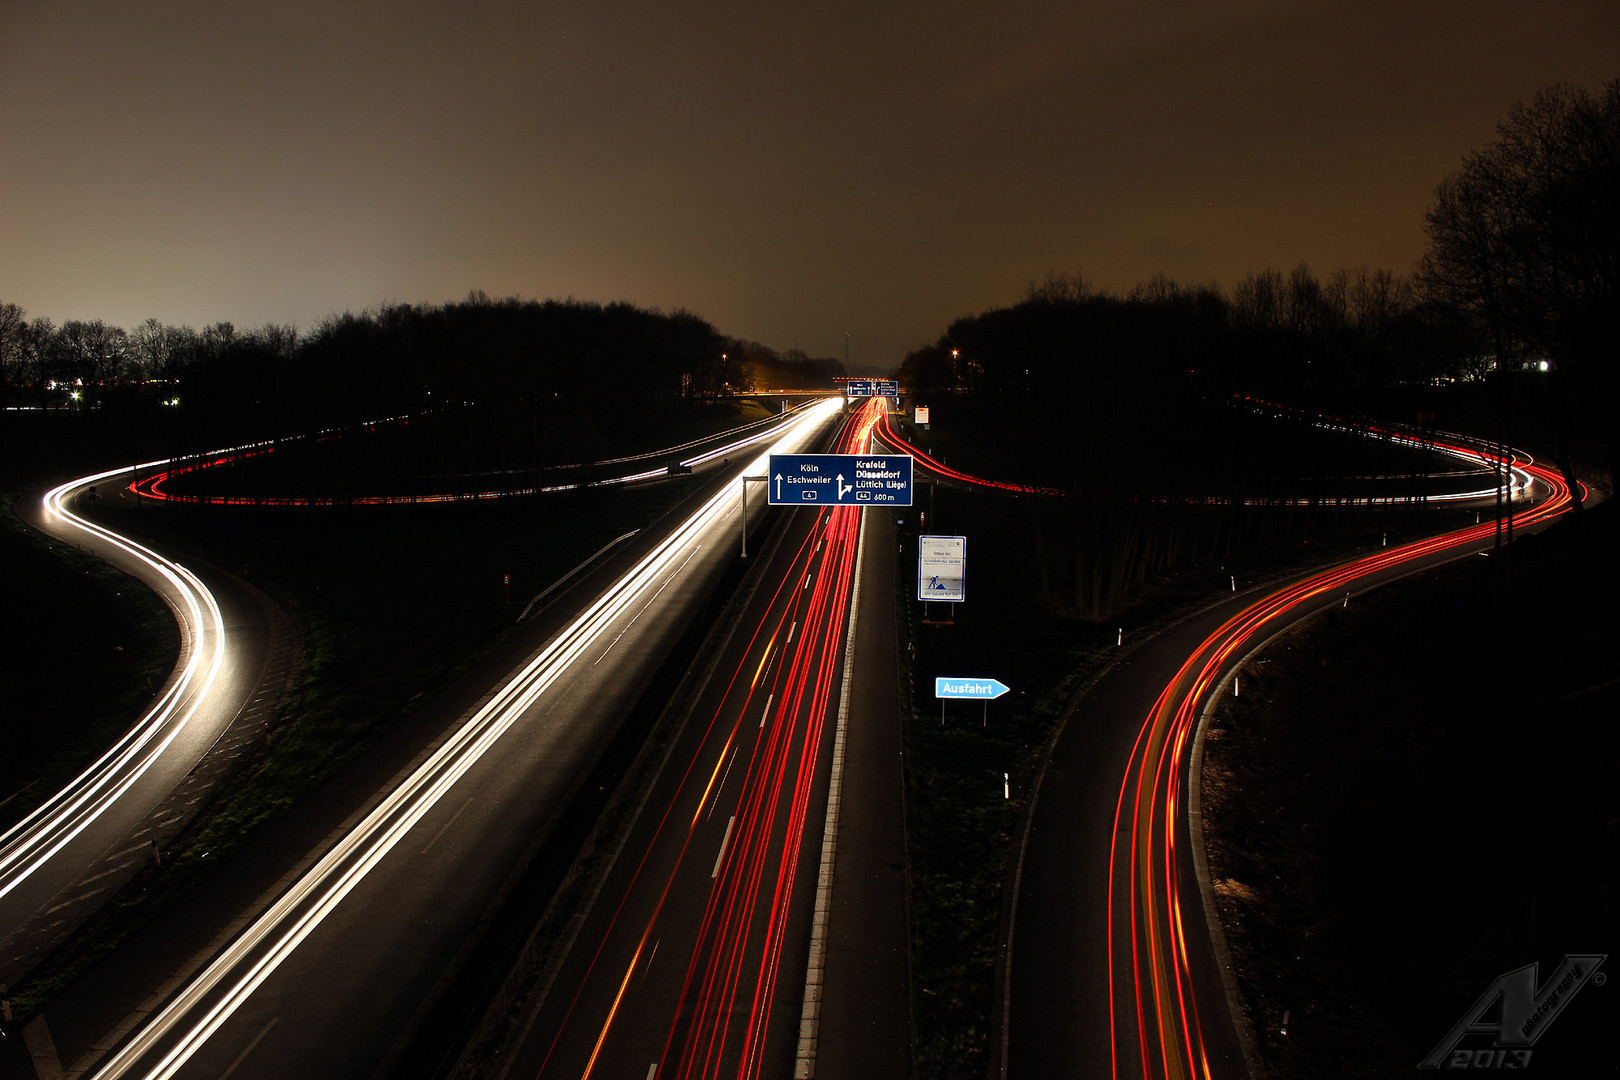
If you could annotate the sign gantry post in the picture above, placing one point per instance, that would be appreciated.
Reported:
(745, 482)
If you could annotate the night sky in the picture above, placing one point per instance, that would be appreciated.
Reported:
(793, 173)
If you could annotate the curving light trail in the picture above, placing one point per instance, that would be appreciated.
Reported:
(32, 842)
(173, 1034)
(1473, 452)
(737, 440)
(1159, 1025)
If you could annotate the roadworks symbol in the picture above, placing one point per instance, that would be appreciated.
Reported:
(1523, 1010)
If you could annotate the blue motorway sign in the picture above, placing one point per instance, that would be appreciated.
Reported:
(978, 689)
(858, 388)
(885, 388)
(840, 479)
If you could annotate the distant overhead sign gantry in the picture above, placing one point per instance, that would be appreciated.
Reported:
(871, 388)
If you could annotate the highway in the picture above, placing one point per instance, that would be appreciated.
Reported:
(326, 975)
(693, 962)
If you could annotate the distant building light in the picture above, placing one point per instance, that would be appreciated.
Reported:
(1545, 366)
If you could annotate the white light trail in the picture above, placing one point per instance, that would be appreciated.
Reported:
(33, 841)
(187, 1021)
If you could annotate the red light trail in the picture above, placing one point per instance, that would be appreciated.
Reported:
(1480, 455)
(766, 738)
(1157, 1022)
(155, 485)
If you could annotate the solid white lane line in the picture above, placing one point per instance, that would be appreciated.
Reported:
(648, 604)
(810, 1016)
(446, 827)
(722, 786)
(724, 843)
(243, 1055)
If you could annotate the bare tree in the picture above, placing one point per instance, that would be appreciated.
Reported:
(13, 322)
(216, 340)
(1257, 301)
(1526, 237)
(151, 350)
(95, 353)
(1059, 288)
(1302, 303)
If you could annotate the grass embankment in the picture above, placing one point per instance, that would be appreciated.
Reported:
(960, 824)
(391, 604)
(1415, 795)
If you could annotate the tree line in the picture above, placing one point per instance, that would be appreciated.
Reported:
(1514, 302)
(497, 356)
(395, 358)
(1524, 247)
(1272, 332)
(1521, 275)
(1522, 271)
(390, 356)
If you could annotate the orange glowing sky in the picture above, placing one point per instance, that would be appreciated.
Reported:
(792, 173)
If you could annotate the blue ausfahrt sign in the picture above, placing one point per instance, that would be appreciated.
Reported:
(975, 689)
